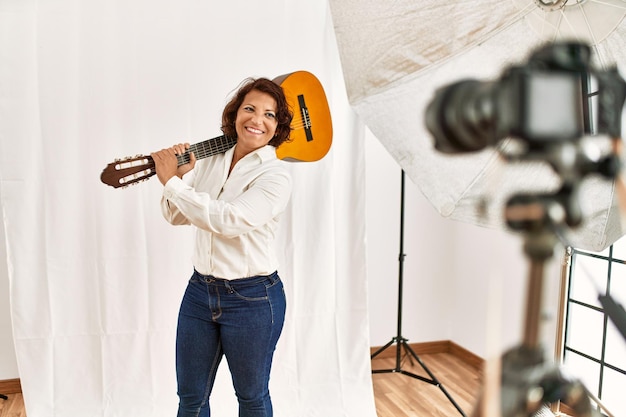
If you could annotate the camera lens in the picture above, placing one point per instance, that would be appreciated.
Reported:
(461, 117)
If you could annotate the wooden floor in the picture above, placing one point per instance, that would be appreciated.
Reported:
(401, 395)
(397, 394)
(13, 407)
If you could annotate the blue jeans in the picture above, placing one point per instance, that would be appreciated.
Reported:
(241, 319)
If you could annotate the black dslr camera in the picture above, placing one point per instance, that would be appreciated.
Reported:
(555, 97)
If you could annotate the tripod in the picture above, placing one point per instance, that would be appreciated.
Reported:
(399, 340)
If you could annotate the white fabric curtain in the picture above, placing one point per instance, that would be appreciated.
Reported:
(96, 274)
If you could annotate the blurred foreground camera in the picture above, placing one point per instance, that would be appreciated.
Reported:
(544, 102)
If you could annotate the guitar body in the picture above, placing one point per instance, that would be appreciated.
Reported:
(310, 138)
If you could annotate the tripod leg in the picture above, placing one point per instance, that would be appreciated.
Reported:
(434, 379)
(382, 349)
(379, 351)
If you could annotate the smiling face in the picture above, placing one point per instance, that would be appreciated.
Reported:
(256, 121)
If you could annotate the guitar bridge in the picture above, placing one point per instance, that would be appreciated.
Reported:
(306, 119)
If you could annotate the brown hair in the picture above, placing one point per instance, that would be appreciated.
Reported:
(283, 113)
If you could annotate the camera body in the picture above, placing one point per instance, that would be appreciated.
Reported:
(547, 101)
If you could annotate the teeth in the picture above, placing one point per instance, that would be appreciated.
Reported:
(253, 130)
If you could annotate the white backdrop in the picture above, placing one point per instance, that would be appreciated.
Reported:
(96, 274)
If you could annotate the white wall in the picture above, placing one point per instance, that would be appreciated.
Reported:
(450, 269)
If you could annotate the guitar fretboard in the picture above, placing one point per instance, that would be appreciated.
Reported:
(207, 148)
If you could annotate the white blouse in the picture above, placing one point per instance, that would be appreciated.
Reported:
(236, 215)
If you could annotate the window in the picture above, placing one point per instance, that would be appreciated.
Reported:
(594, 350)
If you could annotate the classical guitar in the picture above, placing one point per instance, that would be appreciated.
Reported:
(310, 138)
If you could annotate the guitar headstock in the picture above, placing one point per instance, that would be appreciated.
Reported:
(128, 171)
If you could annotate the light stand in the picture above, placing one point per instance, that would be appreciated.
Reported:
(399, 340)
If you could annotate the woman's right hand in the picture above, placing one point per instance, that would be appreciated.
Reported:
(166, 162)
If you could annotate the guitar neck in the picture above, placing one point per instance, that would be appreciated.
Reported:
(207, 148)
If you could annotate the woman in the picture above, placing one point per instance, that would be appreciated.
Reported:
(234, 304)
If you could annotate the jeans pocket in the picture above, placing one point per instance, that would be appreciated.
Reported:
(257, 292)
